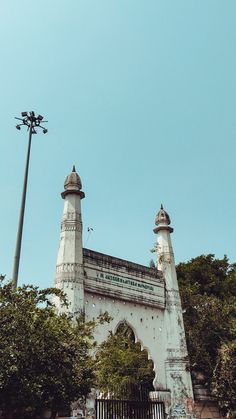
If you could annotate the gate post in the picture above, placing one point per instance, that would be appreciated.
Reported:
(90, 410)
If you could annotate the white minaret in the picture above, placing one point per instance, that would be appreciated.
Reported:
(177, 372)
(69, 270)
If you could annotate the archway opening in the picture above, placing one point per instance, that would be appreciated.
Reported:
(121, 366)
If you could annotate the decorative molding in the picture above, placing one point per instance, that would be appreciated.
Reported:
(170, 305)
(69, 267)
(178, 410)
(71, 226)
(164, 249)
(172, 351)
(176, 365)
(123, 295)
(72, 215)
(173, 299)
(92, 258)
(59, 282)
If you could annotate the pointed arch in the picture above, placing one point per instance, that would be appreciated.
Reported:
(126, 328)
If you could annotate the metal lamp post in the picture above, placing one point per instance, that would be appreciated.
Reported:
(31, 122)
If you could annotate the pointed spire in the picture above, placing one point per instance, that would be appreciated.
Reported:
(162, 217)
(73, 169)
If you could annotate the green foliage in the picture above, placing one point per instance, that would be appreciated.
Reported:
(208, 293)
(207, 324)
(207, 275)
(44, 356)
(120, 363)
(224, 378)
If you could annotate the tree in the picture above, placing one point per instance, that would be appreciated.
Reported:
(208, 294)
(208, 325)
(207, 275)
(127, 365)
(224, 377)
(44, 356)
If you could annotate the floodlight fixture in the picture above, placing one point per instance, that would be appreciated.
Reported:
(31, 121)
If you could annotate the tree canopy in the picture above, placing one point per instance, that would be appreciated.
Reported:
(208, 293)
(207, 275)
(44, 356)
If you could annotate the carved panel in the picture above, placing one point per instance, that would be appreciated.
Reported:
(61, 282)
(72, 215)
(69, 267)
(178, 411)
(173, 299)
(71, 226)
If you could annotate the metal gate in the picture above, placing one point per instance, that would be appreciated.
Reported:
(129, 409)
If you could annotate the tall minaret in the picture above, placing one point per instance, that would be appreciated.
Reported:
(177, 372)
(69, 270)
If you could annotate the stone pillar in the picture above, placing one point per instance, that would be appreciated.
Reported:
(69, 270)
(178, 377)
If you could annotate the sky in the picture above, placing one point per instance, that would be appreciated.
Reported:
(140, 96)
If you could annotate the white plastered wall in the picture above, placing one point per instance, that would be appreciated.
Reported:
(146, 323)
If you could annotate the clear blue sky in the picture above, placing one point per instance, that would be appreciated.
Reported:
(140, 96)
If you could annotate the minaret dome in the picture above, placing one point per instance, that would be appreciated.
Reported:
(162, 221)
(73, 184)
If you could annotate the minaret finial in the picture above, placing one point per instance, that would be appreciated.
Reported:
(162, 206)
(73, 170)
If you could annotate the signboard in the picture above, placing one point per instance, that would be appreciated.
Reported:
(125, 281)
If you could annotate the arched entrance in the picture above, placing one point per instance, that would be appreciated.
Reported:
(126, 379)
(122, 365)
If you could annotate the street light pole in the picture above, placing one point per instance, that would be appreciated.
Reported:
(31, 121)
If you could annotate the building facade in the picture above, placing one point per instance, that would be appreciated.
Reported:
(147, 299)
